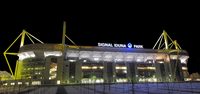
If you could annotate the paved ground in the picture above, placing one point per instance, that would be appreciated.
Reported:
(142, 88)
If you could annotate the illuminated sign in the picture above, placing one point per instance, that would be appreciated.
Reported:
(138, 46)
(112, 45)
(120, 45)
(129, 45)
(105, 44)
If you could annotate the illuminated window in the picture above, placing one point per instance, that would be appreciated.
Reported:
(96, 59)
(184, 68)
(161, 62)
(24, 55)
(187, 79)
(36, 82)
(146, 68)
(99, 80)
(90, 80)
(85, 67)
(27, 83)
(148, 79)
(19, 83)
(146, 72)
(101, 67)
(121, 71)
(139, 59)
(58, 82)
(184, 60)
(84, 60)
(149, 61)
(52, 53)
(124, 71)
(72, 60)
(92, 67)
(121, 80)
(53, 71)
(121, 67)
(12, 83)
(118, 60)
(5, 84)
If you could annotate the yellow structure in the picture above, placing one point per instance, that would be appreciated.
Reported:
(165, 45)
(22, 35)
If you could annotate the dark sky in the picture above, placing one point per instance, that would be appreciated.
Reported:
(118, 24)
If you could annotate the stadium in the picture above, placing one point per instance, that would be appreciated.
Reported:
(45, 63)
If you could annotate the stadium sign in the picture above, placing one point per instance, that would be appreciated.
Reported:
(129, 45)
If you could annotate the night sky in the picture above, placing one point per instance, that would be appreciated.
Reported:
(88, 26)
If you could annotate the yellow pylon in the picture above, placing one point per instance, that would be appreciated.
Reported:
(166, 45)
(22, 35)
(65, 36)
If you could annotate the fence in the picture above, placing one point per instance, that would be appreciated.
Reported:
(106, 88)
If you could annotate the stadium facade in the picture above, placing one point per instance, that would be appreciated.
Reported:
(55, 63)
(105, 63)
